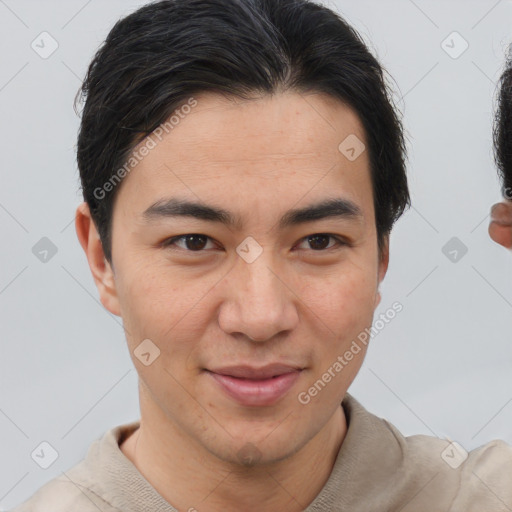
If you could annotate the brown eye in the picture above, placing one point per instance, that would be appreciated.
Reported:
(320, 241)
(195, 242)
(191, 242)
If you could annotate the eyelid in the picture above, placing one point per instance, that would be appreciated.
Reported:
(340, 241)
(168, 242)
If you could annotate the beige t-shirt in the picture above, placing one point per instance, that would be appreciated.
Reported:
(376, 470)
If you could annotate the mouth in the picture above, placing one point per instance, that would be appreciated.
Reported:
(251, 386)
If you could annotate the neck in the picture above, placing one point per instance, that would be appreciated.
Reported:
(191, 478)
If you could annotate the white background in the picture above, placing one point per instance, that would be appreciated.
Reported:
(442, 367)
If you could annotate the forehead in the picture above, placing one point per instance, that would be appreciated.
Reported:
(286, 145)
(282, 125)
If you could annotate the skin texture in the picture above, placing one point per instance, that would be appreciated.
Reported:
(293, 304)
(500, 228)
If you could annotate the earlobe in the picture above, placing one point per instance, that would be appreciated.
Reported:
(383, 267)
(100, 268)
(377, 299)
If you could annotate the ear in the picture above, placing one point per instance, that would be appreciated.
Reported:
(101, 270)
(382, 267)
(500, 228)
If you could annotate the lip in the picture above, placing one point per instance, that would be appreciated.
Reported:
(256, 386)
(249, 372)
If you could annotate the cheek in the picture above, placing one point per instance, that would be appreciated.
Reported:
(157, 308)
(147, 298)
(166, 308)
(344, 302)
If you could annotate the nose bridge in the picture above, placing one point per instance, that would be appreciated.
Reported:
(254, 259)
(260, 302)
(260, 288)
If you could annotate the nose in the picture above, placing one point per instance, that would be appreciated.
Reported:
(259, 302)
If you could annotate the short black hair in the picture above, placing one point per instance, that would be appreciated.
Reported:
(503, 128)
(156, 58)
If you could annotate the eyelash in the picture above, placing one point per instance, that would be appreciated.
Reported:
(339, 241)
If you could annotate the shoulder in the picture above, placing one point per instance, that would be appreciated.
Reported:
(425, 470)
(89, 485)
(486, 479)
(480, 479)
(63, 494)
(490, 459)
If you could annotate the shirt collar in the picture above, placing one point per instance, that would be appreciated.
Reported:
(368, 461)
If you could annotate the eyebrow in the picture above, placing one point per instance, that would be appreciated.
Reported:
(330, 208)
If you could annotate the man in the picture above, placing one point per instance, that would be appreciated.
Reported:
(221, 141)
(500, 227)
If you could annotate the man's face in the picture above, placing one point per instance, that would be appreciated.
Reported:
(256, 292)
